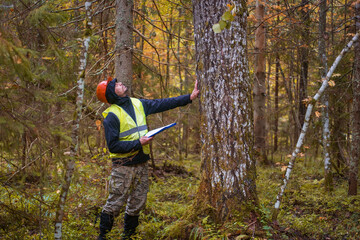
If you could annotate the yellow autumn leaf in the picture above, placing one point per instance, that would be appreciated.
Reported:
(48, 58)
(317, 114)
(307, 100)
(283, 168)
(98, 124)
(301, 154)
(331, 83)
(17, 60)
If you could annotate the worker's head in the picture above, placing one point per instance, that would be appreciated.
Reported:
(108, 91)
(120, 89)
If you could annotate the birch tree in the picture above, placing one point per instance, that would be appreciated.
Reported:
(228, 167)
(304, 129)
(324, 100)
(259, 83)
(355, 115)
(124, 42)
(70, 165)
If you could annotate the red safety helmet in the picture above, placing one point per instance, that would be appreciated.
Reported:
(101, 90)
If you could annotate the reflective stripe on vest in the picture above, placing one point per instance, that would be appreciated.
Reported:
(133, 130)
(129, 129)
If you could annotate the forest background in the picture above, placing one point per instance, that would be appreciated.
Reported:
(49, 48)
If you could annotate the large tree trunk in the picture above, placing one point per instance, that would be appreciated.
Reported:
(228, 166)
(355, 116)
(124, 42)
(259, 84)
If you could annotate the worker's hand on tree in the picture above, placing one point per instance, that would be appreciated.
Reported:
(145, 140)
(195, 92)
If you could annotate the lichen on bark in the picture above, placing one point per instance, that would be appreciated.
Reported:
(228, 165)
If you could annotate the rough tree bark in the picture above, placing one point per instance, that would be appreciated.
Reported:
(124, 42)
(306, 124)
(259, 83)
(228, 165)
(70, 165)
(355, 116)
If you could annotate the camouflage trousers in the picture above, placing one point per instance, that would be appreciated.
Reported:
(129, 186)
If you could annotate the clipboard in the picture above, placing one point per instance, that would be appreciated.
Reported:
(159, 130)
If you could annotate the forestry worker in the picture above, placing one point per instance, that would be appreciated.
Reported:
(125, 127)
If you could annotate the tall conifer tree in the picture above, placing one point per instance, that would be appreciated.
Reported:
(228, 165)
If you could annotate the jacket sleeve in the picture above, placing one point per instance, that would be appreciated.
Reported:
(112, 129)
(161, 105)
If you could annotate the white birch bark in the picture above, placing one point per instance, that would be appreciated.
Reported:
(309, 109)
(324, 99)
(326, 143)
(70, 165)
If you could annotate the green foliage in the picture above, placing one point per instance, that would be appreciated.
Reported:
(39, 56)
(16, 61)
(226, 19)
(45, 16)
(233, 9)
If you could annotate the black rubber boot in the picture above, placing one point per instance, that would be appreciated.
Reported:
(130, 224)
(106, 224)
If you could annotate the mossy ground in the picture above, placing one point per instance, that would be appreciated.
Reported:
(307, 211)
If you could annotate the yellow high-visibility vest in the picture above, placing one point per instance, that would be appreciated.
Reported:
(129, 129)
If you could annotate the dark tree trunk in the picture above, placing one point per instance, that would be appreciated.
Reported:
(355, 116)
(259, 84)
(276, 104)
(124, 42)
(304, 61)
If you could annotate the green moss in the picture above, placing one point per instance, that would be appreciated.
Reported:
(171, 213)
(305, 209)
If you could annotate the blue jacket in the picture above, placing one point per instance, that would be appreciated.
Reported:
(112, 123)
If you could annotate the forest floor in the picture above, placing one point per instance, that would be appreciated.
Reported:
(307, 211)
